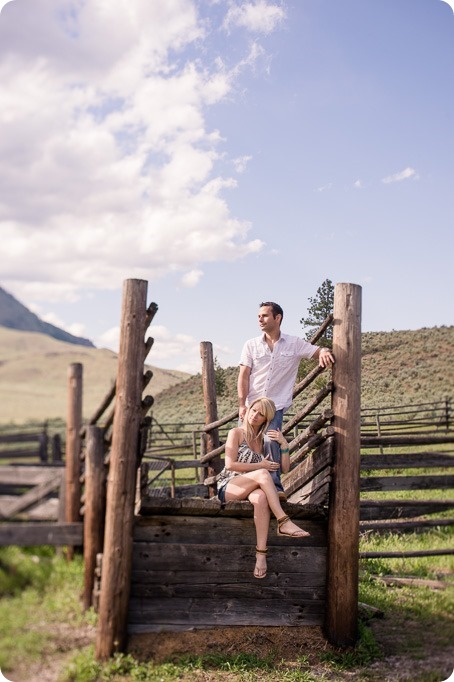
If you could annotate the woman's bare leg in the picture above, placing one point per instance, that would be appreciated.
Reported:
(262, 523)
(240, 487)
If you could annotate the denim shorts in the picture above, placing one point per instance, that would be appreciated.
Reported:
(221, 493)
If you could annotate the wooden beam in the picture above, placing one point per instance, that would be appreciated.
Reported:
(341, 624)
(31, 534)
(95, 507)
(73, 446)
(121, 487)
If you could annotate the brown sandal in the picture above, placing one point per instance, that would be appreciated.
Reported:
(300, 533)
(260, 551)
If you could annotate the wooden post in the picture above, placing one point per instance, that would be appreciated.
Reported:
(73, 446)
(117, 555)
(341, 621)
(95, 503)
(211, 408)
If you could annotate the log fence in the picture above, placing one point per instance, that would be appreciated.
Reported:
(155, 553)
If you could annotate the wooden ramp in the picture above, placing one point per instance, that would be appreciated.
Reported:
(193, 560)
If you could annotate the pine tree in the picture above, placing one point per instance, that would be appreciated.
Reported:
(320, 307)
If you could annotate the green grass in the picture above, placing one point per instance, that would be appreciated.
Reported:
(40, 590)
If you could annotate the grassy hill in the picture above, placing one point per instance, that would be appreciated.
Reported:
(398, 368)
(33, 376)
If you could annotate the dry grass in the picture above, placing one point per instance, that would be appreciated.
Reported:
(33, 376)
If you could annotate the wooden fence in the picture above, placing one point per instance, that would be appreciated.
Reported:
(27, 444)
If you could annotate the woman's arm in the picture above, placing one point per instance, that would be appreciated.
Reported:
(277, 435)
(234, 439)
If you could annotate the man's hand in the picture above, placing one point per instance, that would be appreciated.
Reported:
(242, 412)
(325, 357)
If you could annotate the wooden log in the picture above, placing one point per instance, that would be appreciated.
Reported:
(405, 554)
(95, 507)
(412, 582)
(402, 441)
(413, 460)
(319, 459)
(392, 483)
(31, 534)
(73, 446)
(402, 526)
(115, 582)
(308, 408)
(110, 395)
(20, 437)
(308, 379)
(211, 410)
(220, 422)
(315, 426)
(400, 509)
(150, 314)
(341, 624)
(312, 443)
(19, 453)
(323, 327)
(308, 492)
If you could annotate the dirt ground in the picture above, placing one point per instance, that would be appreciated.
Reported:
(426, 662)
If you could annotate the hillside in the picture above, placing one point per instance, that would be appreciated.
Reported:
(14, 315)
(398, 367)
(33, 376)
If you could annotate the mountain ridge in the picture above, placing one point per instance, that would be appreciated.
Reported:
(15, 315)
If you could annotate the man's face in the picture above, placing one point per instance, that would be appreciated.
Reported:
(267, 322)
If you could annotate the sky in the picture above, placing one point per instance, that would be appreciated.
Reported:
(228, 152)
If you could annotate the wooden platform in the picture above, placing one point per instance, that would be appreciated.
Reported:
(193, 561)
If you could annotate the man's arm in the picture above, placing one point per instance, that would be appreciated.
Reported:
(243, 389)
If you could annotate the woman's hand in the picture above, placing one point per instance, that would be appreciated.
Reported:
(269, 464)
(276, 434)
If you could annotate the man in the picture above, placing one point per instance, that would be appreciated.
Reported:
(268, 367)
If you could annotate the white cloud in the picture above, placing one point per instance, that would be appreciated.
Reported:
(259, 16)
(324, 188)
(108, 170)
(358, 184)
(240, 163)
(190, 279)
(406, 174)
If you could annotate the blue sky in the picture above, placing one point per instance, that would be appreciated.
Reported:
(228, 152)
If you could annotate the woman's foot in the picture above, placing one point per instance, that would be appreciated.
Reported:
(286, 527)
(260, 563)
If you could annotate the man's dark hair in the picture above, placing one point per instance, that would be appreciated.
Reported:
(275, 307)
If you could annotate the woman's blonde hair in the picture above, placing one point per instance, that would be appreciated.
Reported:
(268, 409)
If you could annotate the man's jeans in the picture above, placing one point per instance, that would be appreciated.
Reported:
(276, 423)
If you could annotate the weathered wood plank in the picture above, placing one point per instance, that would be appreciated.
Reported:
(26, 475)
(19, 453)
(31, 497)
(212, 558)
(404, 555)
(212, 612)
(212, 507)
(220, 590)
(20, 437)
(284, 578)
(405, 439)
(31, 534)
(315, 462)
(415, 460)
(391, 483)
(216, 530)
(47, 510)
(402, 526)
(397, 509)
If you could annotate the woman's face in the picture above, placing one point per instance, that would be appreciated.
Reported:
(256, 416)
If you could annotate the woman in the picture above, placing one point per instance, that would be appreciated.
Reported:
(247, 475)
